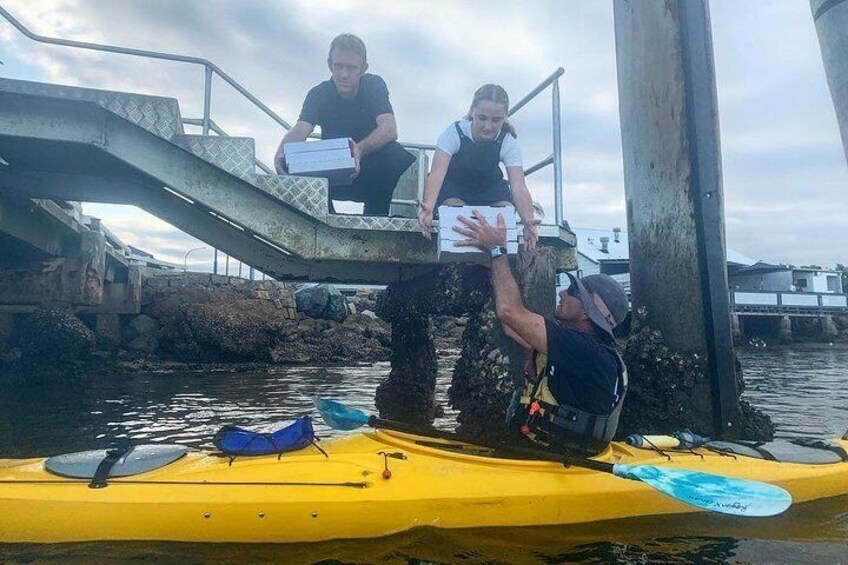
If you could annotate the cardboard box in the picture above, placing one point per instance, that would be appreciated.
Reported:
(448, 252)
(328, 158)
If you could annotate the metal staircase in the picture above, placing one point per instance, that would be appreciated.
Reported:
(74, 143)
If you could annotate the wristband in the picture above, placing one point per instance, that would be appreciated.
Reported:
(497, 251)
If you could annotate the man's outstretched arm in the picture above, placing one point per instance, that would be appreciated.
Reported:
(527, 325)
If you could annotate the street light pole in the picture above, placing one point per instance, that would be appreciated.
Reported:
(185, 259)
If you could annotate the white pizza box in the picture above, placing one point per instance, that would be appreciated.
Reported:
(315, 156)
(295, 147)
(448, 252)
(448, 218)
(337, 171)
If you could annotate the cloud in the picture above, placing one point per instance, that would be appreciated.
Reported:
(784, 171)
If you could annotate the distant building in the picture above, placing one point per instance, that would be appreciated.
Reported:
(781, 278)
(607, 251)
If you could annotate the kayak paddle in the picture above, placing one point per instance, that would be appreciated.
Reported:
(726, 495)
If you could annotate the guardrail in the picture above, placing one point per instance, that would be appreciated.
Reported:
(210, 69)
(777, 302)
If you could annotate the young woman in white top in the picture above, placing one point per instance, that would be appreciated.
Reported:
(466, 167)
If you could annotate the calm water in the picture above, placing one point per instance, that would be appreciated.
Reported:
(803, 388)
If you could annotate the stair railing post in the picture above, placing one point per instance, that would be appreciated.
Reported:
(207, 99)
(557, 134)
(207, 108)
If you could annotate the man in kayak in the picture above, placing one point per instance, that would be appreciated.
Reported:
(575, 378)
(354, 104)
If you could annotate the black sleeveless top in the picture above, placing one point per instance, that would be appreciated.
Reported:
(477, 164)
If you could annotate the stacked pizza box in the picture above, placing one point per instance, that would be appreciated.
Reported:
(328, 158)
(447, 237)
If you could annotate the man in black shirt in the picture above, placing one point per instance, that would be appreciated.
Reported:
(576, 380)
(355, 105)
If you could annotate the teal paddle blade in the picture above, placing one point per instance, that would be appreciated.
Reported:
(727, 495)
(338, 416)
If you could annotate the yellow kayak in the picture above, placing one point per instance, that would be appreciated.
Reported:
(367, 485)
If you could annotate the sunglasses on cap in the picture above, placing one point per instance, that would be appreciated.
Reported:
(573, 290)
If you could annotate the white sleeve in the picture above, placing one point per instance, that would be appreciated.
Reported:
(449, 141)
(511, 152)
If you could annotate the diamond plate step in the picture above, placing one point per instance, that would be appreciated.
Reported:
(379, 223)
(236, 155)
(156, 114)
(307, 194)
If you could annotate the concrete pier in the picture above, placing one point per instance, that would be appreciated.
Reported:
(831, 19)
(491, 365)
(784, 331)
(829, 330)
(672, 170)
(736, 327)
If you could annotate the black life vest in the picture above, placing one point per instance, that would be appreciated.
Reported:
(546, 421)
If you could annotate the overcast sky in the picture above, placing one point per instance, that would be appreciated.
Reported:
(785, 176)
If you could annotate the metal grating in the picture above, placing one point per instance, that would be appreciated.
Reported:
(307, 194)
(236, 155)
(156, 114)
(373, 223)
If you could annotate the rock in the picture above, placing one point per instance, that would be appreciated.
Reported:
(661, 396)
(108, 330)
(239, 330)
(312, 300)
(360, 339)
(55, 336)
(322, 301)
(370, 314)
(141, 325)
(142, 334)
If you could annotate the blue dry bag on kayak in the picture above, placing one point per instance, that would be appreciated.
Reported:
(235, 441)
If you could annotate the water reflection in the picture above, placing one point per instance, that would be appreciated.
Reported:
(803, 388)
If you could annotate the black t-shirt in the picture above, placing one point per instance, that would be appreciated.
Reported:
(354, 118)
(582, 371)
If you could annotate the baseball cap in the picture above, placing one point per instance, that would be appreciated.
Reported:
(603, 299)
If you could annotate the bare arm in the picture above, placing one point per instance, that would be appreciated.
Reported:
(515, 337)
(432, 187)
(299, 132)
(527, 325)
(386, 132)
(524, 205)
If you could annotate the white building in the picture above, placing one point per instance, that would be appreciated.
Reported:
(608, 252)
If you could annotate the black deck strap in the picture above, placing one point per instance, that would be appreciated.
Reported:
(101, 475)
(657, 449)
(822, 444)
(720, 451)
(319, 448)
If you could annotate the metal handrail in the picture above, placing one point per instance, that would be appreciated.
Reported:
(556, 157)
(211, 69)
